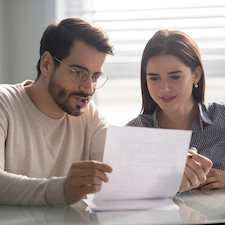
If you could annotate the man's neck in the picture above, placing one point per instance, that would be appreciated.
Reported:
(39, 95)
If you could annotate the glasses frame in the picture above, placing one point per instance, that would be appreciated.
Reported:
(72, 70)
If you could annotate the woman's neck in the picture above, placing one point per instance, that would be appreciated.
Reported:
(177, 120)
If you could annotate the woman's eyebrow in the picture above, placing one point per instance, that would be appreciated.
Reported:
(176, 71)
(169, 73)
(153, 74)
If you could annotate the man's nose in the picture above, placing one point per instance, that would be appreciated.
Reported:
(87, 86)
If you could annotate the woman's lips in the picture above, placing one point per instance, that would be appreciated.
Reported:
(167, 99)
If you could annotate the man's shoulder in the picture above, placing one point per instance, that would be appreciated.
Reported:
(10, 92)
(6, 90)
(10, 88)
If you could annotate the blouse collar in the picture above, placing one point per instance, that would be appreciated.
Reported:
(197, 123)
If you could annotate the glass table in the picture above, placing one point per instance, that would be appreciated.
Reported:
(195, 207)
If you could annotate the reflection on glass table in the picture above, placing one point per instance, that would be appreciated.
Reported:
(208, 204)
(195, 206)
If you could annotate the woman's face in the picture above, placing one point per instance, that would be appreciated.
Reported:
(170, 82)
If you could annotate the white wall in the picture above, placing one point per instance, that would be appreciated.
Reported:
(22, 23)
(2, 38)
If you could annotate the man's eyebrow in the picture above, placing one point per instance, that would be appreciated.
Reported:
(84, 68)
(79, 66)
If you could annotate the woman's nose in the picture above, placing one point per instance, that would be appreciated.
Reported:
(164, 86)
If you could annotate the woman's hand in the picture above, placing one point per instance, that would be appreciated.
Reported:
(214, 179)
(195, 171)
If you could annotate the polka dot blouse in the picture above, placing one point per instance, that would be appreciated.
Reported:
(208, 131)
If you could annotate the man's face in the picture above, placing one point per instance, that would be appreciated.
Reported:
(70, 97)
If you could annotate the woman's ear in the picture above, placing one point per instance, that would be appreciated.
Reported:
(197, 74)
(46, 64)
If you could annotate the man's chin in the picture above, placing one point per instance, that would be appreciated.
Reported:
(77, 112)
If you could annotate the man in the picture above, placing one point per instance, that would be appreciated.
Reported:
(51, 133)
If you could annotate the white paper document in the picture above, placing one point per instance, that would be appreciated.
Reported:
(138, 217)
(148, 166)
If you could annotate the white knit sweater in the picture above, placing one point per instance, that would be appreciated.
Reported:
(36, 151)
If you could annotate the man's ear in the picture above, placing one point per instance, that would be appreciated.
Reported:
(197, 74)
(46, 64)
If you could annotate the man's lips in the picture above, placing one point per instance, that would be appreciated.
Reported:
(81, 101)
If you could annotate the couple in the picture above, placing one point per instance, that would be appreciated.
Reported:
(52, 135)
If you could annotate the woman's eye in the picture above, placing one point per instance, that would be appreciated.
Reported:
(175, 77)
(153, 78)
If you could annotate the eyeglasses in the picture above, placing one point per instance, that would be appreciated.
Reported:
(79, 76)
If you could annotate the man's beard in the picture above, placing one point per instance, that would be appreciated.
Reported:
(58, 94)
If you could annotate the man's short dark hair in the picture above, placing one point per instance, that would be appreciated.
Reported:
(58, 38)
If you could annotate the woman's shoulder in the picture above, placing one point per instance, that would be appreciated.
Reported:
(215, 106)
(143, 120)
(214, 109)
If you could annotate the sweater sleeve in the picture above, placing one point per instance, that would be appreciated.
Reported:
(26, 179)
(99, 128)
(21, 190)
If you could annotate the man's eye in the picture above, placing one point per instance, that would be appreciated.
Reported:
(77, 72)
(96, 77)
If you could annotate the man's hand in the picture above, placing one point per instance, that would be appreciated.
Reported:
(215, 179)
(84, 177)
(195, 171)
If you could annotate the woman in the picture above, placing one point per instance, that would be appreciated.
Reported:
(173, 88)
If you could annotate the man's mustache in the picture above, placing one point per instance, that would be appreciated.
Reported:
(80, 94)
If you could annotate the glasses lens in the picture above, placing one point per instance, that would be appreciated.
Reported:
(79, 76)
(98, 83)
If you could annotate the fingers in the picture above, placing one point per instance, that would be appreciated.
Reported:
(88, 174)
(205, 163)
(210, 186)
(190, 179)
(90, 170)
(215, 179)
(94, 164)
(194, 174)
(84, 177)
(193, 150)
(197, 167)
